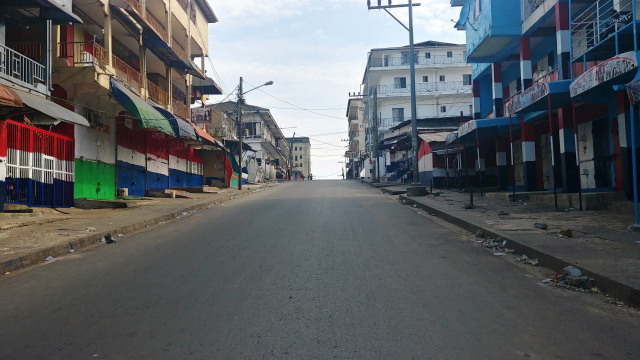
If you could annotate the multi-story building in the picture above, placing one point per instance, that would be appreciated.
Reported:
(268, 157)
(550, 86)
(443, 91)
(300, 157)
(122, 70)
(357, 163)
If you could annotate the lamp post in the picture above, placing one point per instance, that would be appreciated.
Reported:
(414, 123)
(240, 102)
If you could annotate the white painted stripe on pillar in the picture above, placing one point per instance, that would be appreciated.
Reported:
(563, 38)
(525, 70)
(476, 104)
(622, 130)
(157, 165)
(501, 159)
(497, 90)
(3, 168)
(561, 139)
(528, 151)
(130, 156)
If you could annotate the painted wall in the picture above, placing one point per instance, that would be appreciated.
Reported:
(95, 162)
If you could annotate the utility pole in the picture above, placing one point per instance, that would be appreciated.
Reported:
(412, 59)
(376, 162)
(241, 130)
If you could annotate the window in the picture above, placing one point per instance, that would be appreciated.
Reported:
(295, 148)
(442, 78)
(400, 83)
(466, 79)
(427, 55)
(398, 115)
(405, 58)
(477, 7)
(386, 60)
(296, 157)
(449, 54)
(425, 78)
(443, 109)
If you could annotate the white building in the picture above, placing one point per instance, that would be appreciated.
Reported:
(443, 86)
(357, 157)
(300, 157)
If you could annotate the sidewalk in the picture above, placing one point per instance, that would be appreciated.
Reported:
(28, 239)
(600, 245)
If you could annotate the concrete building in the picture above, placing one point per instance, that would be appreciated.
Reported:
(266, 156)
(550, 85)
(358, 164)
(300, 158)
(443, 91)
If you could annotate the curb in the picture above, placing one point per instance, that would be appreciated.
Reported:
(93, 239)
(613, 288)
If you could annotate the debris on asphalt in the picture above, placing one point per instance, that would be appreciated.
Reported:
(498, 254)
(615, 302)
(479, 233)
(541, 226)
(566, 233)
(502, 213)
(90, 229)
(496, 246)
(102, 239)
(49, 258)
(120, 235)
(414, 206)
(633, 228)
(419, 212)
(109, 239)
(71, 250)
(571, 278)
(504, 243)
(468, 206)
(7, 273)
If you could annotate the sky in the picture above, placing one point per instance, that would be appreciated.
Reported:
(315, 52)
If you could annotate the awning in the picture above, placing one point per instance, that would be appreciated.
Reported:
(9, 97)
(206, 86)
(49, 10)
(203, 136)
(180, 126)
(149, 118)
(485, 128)
(51, 109)
(619, 69)
(165, 53)
(451, 137)
(195, 70)
(535, 97)
(434, 137)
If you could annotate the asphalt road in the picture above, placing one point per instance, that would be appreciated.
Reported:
(306, 270)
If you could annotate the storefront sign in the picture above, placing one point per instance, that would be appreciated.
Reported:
(604, 72)
(532, 94)
(201, 115)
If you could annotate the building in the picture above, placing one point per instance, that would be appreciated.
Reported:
(443, 92)
(266, 153)
(300, 158)
(108, 85)
(555, 86)
(358, 164)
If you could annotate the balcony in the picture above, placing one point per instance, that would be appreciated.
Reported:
(158, 95)
(434, 61)
(20, 67)
(178, 49)
(148, 19)
(126, 73)
(598, 22)
(180, 109)
(424, 88)
(84, 53)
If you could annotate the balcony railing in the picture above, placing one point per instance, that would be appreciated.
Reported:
(178, 48)
(155, 24)
(32, 50)
(424, 88)
(434, 60)
(180, 109)
(183, 4)
(126, 73)
(553, 75)
(84, 53)
(599, 21)
(18, 66)
(529, 6)
(156, 94)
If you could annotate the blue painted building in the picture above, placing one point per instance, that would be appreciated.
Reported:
(555, 73)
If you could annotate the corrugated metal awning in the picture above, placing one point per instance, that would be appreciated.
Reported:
(51, 109)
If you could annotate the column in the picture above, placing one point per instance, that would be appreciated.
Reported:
(563, 39)
(624, 134)
(475, 89)
(526, 74)
(566, 137)
(502, 150)
(528, 155)
(498, 100)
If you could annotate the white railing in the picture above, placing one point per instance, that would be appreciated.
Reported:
(20, 67)
(434, 60)
(529, 6)
(599, 21)
(424, 88)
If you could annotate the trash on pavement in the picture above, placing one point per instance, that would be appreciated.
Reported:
(541, 226)
(498, 254)
(504, 243)
(566, 233)
(90, 229)
(479, 233)
(49, 258)
(109, 239)
(633, 228)
(502, 213)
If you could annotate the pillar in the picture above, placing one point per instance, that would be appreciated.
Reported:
(526, 74)
(563, 39)
(502, 149)
(498, 99)
(625, 162)
(475, 89)
(528, 155)
(566, 137)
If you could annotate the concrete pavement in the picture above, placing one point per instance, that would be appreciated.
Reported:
(600, 244)
(29, 239)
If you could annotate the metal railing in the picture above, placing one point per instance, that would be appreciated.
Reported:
(21, 67)
(183, 4)
(126, 73)
(431, 61)
(175, 45)
(179, 108)
(83, 53)
(155, 24)
(158, 95)
(424, 88)
(599, 21)
(31, 50)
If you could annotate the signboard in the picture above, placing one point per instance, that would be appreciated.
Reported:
(467, 127)
(201, 116)
(604, 72)
(527, 97)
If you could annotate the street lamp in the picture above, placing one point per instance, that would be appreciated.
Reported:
(414, 122)
(240, 102)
